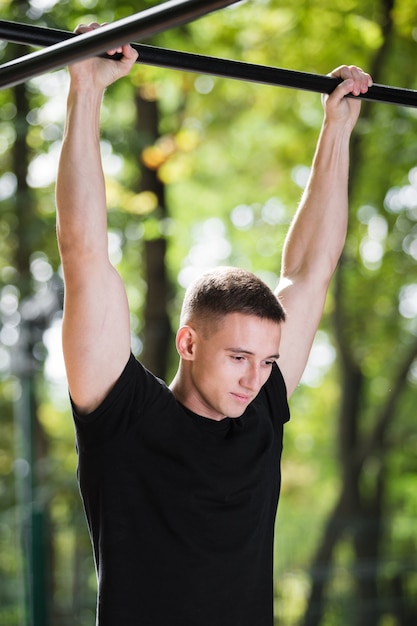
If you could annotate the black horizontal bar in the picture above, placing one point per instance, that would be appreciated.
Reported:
(143, 24)
(201, 64)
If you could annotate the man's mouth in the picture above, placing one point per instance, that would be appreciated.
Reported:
(241, 397)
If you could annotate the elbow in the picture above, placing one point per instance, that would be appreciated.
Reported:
(316, 271)
(78, 243)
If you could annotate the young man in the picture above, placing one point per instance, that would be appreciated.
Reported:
(180, 484)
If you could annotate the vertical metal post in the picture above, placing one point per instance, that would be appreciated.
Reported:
(32, 516)
(23, 494)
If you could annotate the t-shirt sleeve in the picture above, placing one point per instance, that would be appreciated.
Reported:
(135, 388)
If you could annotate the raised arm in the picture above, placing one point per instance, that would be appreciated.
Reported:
(96, 329)
(317, 234)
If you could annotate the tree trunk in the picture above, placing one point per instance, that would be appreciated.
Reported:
(357, 512)
(157, 327)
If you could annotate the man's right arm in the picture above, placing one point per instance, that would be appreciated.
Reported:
(96, 329)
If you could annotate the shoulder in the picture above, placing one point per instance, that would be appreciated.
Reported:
(275, 394)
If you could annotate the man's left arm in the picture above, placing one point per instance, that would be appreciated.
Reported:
(317, 233)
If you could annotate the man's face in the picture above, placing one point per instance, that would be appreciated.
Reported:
(230, 365)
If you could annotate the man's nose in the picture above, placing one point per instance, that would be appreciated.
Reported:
(251, 379)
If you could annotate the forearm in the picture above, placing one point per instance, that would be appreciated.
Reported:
(317, 233)
(80, 189)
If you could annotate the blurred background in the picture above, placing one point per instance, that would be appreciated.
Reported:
(204, 171)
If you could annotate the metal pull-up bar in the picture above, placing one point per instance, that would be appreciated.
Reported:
(143, 24)
(200, 64)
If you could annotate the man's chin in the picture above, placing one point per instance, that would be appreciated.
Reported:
(236, 413)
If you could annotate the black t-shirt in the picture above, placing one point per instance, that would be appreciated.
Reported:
(181, 508)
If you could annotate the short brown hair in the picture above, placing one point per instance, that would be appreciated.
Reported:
(226, 290)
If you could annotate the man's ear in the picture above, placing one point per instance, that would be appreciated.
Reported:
(185, 342)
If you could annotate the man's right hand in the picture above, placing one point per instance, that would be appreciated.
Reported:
(98, 72)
